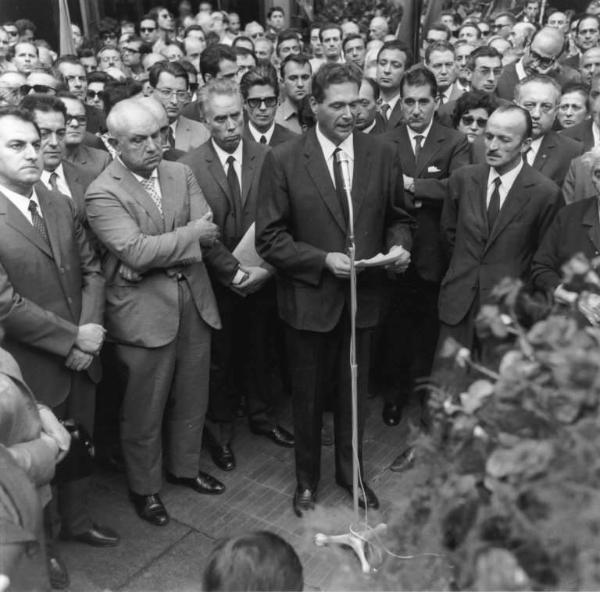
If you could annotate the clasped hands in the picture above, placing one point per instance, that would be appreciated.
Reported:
(88, 342)
(339, 263)
(254, 279)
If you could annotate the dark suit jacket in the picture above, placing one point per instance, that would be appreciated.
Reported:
(96, 120)
(211, 177)
(94, 141)
(380, 125)
(509, 79)
(300, 219)
(127, 222)
(443, 152)
(92, 160)
(553, 157)
(582, 132)
(576, 229)
(280, 135)
(578, 183)
(481, 258)
(396, 118)
(43, 302)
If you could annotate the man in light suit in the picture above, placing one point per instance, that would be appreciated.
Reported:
(152, 218)
(494, 219)
(52, 307)
(302, 230)
(170, 86)
(228, 169)
(426, 168)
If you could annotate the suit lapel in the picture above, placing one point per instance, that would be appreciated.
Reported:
(360, 176)
(171, 195)
(591, 221)
(74, 182)
(478, 201)
(319, 173)
(433, 143)
(407, 156)
(547, 145)
(16, 220)
(248, 169)
(52, 222)
(216, 170)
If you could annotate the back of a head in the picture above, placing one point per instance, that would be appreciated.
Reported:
(260, 561)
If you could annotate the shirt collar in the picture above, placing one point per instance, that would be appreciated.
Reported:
(508, 178)
(19, 197)
(368, 130)
(520, 68)
(424, 133)
(153, 174)
(288, 109)
(328, 147)
(257, 135)
(223, 156)
(535, 144)
(60, 173)
(392, 102)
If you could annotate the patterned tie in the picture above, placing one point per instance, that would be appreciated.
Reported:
(494, 205)
(150, 188)
(236, 196)
(418, 145)
(54, 182)
(38, 221)
(263, 139)
(385, 110)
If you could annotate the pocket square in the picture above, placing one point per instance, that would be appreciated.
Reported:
(433, 169)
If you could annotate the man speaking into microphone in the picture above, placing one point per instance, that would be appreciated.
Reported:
(302, 229)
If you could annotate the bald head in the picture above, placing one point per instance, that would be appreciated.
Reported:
(549, 40)
(155, 108)
(127, 115)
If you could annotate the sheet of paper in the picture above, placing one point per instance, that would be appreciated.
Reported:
(245, 251)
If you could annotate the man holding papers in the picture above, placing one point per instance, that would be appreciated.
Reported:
(228, 169)
(302, 230)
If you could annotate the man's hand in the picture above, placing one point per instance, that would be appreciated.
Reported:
(89, 338)
(338, 264)
(255, 279)
(53, 428)
(129, 274)
(402, 261)
(409, 183)
(78, 360)
(208, 231)
(564, 296)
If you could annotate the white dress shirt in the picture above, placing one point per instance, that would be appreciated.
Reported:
(412, 134)
(328, 148)
(506, 182)
(61, 180)
(392, 103)
(257, 135)
(237, 164)
(520, 69)
(21, 202)
(596, 133)
(534, 148)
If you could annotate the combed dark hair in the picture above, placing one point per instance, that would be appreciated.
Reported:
(43, 103)
(440, 27)
(299, 59)
(484, 51)
(98, 76)
(438, 46)
(254, 561)
(474, 99)
(265, 75)
(328, 27)
(329, 74)
(119, 90)
(373, 84)
(470, 26)
(512, 108)
(191, 28)
(275, 9)
(352, 37)
(419, 75)
(585, 17)
(399, 46)
(242, 38)
(25, 25)
(172, 68)
(578, 87)
(287, 35)
(19, 113)
(244, 51)
(212, 56)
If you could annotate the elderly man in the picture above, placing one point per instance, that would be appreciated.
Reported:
(588, 131)
(587, 36)
(541, 57)
(153, 219)
(378, 28)
(440, 59)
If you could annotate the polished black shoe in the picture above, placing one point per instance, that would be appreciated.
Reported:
(96, 536)
(150, 508)
(404, 461)
(304, 501)
(203, 483)
(57, 572)
(391, 414)
(221, 454)
(366, 496)
(279, 435)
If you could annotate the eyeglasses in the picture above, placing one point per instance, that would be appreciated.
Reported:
(167, 93)
(544, 62)
(96, 94)
(147, 29)
(469, 119)
(12, 33)
(40, 89)
(80, 119)
(257, 102)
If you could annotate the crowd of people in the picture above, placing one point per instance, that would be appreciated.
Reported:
(174, 235)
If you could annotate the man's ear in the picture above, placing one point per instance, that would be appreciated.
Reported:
(526, 145)
(313, 105)
(114, 143)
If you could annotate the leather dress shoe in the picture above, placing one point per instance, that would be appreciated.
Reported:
(221, 454)
(391, 414)
(279, 435)
(57, 573)
(304, 501)
(366, 496)
(404, 461)
(150, 508)
(96, 536)
(203, 483)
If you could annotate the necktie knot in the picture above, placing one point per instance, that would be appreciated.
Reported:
(32, 207)
(263, 139)
(385, 109)
(53, 181)
(230, 160)
(497, 182)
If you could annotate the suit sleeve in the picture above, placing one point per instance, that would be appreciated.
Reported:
(274, 241)
(449, 217)
(545, 268)
(568, 187)
(119, 231)
(399, 225)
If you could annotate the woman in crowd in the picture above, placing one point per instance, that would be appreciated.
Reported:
(574, 105)
(471, 113)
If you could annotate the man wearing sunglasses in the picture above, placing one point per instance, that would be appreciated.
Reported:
(541, 57)
(41, 82)
(428, 154)
(149, 30)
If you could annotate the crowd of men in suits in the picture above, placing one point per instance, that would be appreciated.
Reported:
(174, 226)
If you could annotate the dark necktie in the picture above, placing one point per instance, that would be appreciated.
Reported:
(263, 139)
(236, 196)
(54, 182)
(527, 156)
(494, 205)
(339, 184)
(171, 137)
(385, 109)
(38, 221)
(418, 146)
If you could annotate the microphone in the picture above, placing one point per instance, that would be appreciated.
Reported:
(344, 163)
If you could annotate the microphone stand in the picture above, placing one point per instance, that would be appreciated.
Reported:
(357, 540)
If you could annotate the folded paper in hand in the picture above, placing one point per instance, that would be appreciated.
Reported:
(245, 251)
(381, 259)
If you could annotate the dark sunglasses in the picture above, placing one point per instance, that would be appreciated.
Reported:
(469, 119)
(40, 89)
(93, 94)
(544, 62)
(80, 119)
(147, 29)
(256, 103)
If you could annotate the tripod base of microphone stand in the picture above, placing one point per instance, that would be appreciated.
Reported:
(358, 541)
